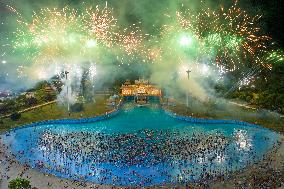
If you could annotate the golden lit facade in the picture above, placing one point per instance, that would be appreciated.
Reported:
(140, 88)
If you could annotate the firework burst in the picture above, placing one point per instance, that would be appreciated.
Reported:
(101, 24)
(132, 45)
(275, 56)
(49, 34)
(131, 41)
(63, 33)
(230, 36)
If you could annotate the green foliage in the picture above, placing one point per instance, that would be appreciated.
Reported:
(20, 183)
(41, 85)
(41, 95)
(54, 111)
(77, 107)
(15, 116)
(268, 92)
(9, 106)
(31, 101)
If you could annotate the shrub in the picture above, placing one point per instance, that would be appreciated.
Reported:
(15, 116)
(20, 183)
(248, 98)
(77, 107)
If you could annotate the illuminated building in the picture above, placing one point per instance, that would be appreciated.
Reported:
(140, 88)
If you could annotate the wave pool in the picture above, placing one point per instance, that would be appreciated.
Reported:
(140, 146)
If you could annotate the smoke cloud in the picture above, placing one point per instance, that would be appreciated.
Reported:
(169, 73)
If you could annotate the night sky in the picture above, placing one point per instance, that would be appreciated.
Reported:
(150, 14)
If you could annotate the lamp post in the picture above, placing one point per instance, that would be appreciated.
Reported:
(187, 100)
(68, 104)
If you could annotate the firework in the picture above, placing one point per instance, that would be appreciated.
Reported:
(275, 56)
(48, 34)
(101, 25)
(132, 46)
(228, 36)
(61, 33)
(132, 40)
(21, 71)
(154, 54)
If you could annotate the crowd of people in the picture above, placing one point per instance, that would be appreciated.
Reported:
(131, 149)
(122, 158)
(169, 155)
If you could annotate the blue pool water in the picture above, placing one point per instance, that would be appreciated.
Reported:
(140, 146)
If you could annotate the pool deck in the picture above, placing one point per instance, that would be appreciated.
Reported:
(10, 168)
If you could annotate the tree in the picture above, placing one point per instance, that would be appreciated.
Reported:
(31, 101)
(77, 107)
(44, 96)
(15, 116)
(20, 183)
(41, 85)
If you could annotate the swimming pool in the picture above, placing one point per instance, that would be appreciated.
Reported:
(140, 146)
